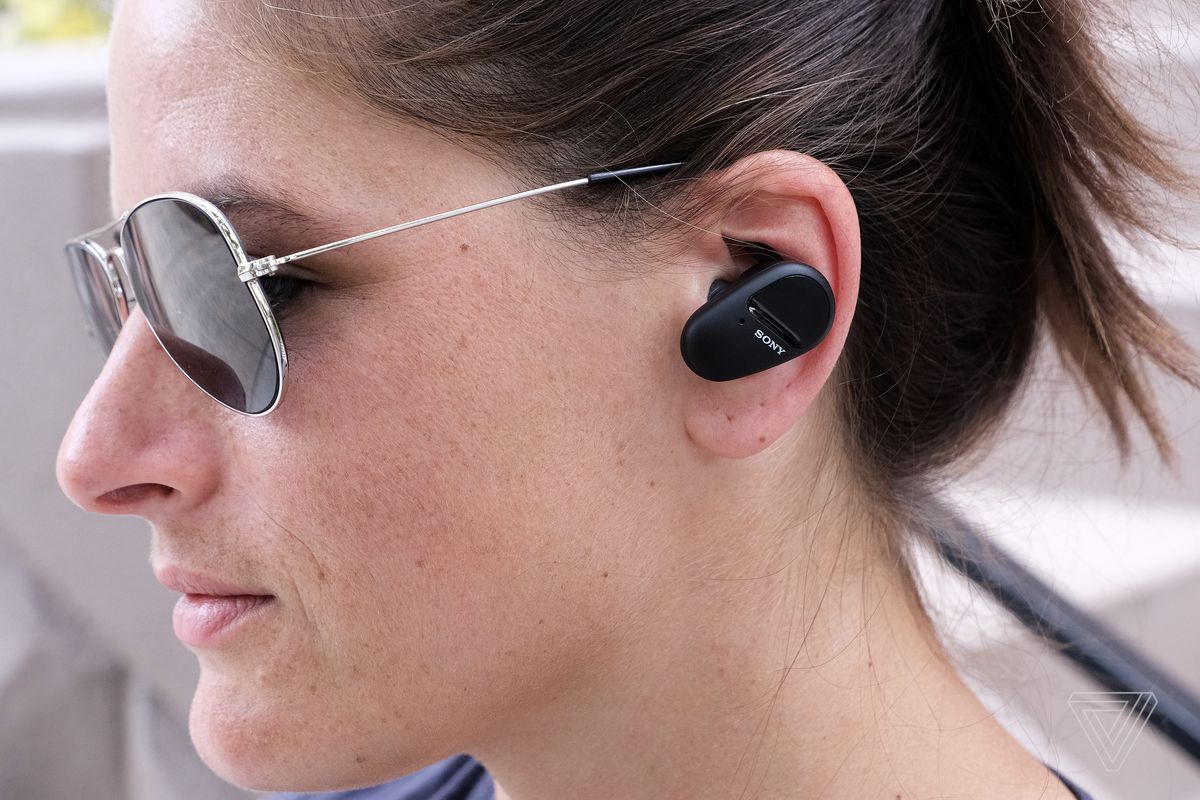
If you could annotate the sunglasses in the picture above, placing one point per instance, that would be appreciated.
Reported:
(178, 258)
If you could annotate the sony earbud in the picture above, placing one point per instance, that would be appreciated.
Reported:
(776, 310)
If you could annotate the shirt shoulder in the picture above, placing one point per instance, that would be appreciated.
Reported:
(459, 777)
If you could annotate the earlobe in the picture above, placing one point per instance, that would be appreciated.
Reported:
(751, 413)
(797, 207)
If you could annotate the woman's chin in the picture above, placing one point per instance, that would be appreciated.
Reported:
(251, 743)
(263, 743)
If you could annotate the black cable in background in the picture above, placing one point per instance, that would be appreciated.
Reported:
(1081, 638)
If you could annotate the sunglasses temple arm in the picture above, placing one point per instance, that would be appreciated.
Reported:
(268, 265)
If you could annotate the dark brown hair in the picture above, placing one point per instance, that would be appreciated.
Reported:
(980, 140)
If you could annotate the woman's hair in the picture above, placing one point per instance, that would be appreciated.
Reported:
(979, 139)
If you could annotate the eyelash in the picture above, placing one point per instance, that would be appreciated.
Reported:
(284, 293)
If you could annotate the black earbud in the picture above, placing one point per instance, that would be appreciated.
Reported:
(776, 310)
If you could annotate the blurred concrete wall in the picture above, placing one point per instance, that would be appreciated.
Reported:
(94, 688)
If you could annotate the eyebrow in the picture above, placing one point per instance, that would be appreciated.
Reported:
(268, 222)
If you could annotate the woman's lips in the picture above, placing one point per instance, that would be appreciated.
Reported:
(211, 609)
(182, 580)
(204, 620)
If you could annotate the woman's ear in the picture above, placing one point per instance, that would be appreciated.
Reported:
(801, 209)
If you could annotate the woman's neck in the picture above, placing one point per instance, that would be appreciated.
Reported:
(807, 672)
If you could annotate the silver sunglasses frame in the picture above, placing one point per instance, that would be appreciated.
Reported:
(116, 266)
(104, 246)
(112, 280)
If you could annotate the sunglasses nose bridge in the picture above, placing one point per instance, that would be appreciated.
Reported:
(119, 283)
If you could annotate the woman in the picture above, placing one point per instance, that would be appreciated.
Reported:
(496, 512)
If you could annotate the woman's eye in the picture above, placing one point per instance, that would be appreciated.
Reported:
(283, 293)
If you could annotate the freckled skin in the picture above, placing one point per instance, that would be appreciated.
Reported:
(397, 498)
(498, 513)
(433, 484)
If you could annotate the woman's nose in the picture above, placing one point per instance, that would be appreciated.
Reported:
(144, 440)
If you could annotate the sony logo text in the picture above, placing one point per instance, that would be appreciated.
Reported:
(768, 341)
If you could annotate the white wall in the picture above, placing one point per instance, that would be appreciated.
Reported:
(53, 185)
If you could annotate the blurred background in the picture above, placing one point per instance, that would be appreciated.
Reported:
(95, 689)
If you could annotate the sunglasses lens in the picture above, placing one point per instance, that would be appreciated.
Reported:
(185, 278)
(99, 307)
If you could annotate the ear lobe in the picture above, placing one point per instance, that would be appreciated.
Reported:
(747, 415)
(802, 210)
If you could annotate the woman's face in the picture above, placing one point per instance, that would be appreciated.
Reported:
(473, 432)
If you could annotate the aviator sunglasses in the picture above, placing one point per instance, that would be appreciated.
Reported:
(178, 258)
